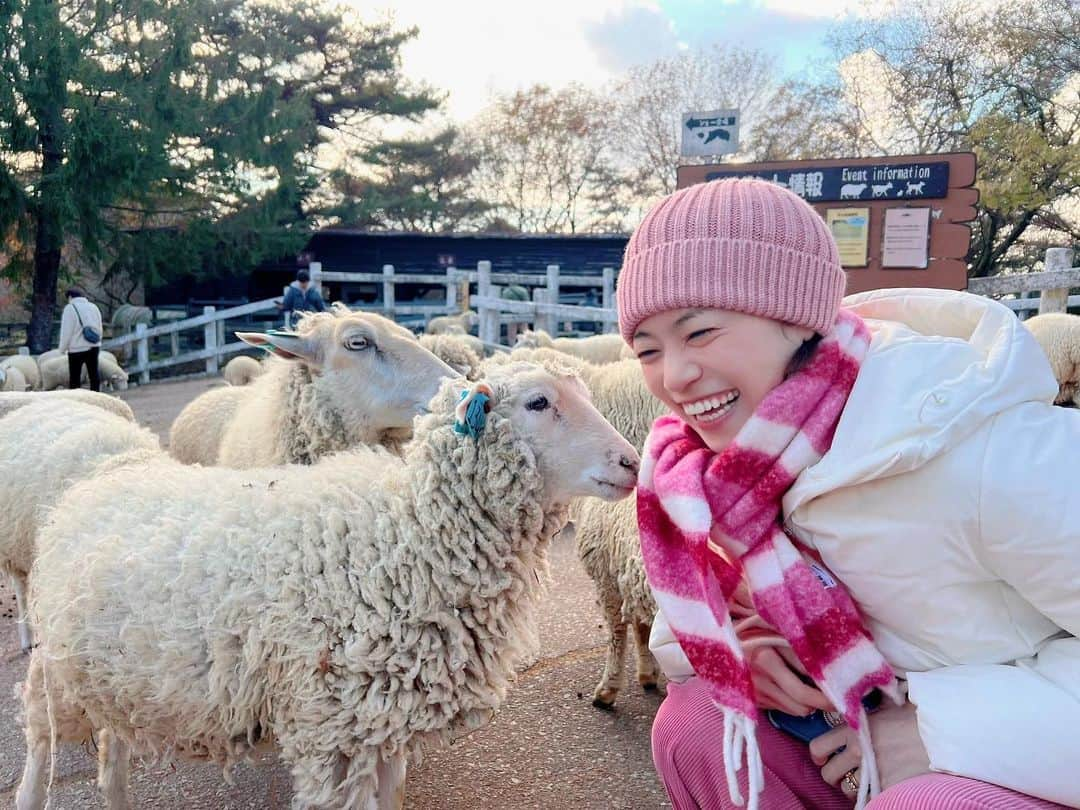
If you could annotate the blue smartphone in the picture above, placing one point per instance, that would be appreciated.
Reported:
(814, 725)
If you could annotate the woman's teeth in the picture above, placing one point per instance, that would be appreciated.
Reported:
(712, 409)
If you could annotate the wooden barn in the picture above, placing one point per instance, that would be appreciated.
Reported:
(368, 251)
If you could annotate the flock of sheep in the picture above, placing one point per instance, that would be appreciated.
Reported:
(332, 558)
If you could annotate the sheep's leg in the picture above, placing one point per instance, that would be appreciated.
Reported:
(33, 789)
(390, 776)
(612, 679)
(648, 671)
(26, 637)
(114, 760)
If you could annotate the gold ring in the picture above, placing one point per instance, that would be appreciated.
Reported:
(851, 780)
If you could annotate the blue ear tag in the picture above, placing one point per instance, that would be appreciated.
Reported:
(475, 416)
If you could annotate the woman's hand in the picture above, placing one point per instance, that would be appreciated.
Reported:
(828, 744)
(897, 744)
(898, 748)
(773, 671)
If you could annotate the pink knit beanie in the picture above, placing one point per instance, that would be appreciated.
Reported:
(740, 244)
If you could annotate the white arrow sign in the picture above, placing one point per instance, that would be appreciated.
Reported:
(715, 132)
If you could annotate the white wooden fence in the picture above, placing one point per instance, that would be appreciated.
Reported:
(216, 346)
(1052, 285)
(543, 311)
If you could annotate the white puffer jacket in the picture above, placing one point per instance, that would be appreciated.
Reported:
(949, 506)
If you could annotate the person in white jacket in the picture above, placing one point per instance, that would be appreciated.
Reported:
(79, 323)
(947, 504)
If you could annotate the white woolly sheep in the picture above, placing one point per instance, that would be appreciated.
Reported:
(462, 322)
(55, 374)
(1059, 336)
(456, 352)
(594, 348)
(607, 534)
(241, 370)
(13, 401)
(27, 365)
(45, 447)
(351, 612)
(11, 379)
(341, 380)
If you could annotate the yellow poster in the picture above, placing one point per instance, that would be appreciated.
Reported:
(851, 229)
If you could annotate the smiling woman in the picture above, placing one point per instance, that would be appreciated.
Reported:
(867, 471)
(712, 367)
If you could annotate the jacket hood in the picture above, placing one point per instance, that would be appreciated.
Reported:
(918, 394)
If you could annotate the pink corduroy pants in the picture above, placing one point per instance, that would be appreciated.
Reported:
(688, 731)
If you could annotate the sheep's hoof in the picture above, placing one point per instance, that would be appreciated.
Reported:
(603, 705)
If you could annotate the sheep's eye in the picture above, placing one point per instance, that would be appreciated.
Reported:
(537, 404)
(355, 343)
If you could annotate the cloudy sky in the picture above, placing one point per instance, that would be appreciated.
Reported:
(470, 48)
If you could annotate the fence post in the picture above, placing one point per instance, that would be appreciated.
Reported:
(315, 272)
(489, 317)
(174, 341)
(210, 334)
(388, 290)
(539, 296)
(551, 322)
(451, 290)
(142, 353)
(288, 315)
(608, 299)
(24, 351)
(1058, 258)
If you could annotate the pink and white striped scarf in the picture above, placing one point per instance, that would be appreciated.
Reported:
(687, 492)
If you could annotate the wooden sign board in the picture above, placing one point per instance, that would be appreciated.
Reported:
(943, 183)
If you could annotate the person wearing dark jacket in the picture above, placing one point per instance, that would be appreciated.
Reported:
(301, 297)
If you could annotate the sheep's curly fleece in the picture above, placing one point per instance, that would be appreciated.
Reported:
(12, 401)
(361, 605)
(27, 365)
(241, 370)
(45, 448)
(1059, 336)
(55, 374)
(454, 350)
(596, 349)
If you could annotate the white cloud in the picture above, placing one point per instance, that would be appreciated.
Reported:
(474, 47)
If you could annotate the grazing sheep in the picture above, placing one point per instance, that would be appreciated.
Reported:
(46, 447)
(11, 379)
(28, 366)
(453, 350)
(595, 348)
(342, 379)
(241, 370)
(13, 401)
(51, 353)
(55, 373)
(1059, 336)
(350, 612)
(462, 322)
(607, 534)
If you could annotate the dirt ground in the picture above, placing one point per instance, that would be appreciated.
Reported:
(547, 748)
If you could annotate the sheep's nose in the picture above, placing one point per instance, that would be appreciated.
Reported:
(628, 463)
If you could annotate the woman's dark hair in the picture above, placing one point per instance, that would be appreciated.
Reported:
(75, 292)
(802, 354)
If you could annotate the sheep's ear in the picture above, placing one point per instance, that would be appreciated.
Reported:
(286, 345)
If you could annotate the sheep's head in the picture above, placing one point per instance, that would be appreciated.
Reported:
(533, 339)
(542, 419)
(371, 370)
(118, 380)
